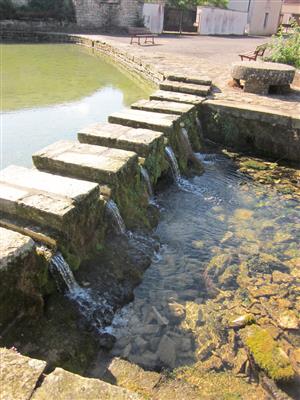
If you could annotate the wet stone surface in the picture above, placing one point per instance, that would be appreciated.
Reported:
(229, 259)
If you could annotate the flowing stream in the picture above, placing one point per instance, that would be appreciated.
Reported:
(209, 233)
(147, 180)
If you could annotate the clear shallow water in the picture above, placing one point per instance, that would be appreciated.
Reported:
(50, 91)
(219, 214)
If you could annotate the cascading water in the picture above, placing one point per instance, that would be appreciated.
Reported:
(96, 310)
(62, 273)
(147, 180)
(114, 212)
(186, 141)
(173, 163)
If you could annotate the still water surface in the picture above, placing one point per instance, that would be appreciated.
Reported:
(50, 91)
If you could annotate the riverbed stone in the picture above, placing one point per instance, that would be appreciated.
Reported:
(132, 377)
(182, 87)
(147, 143)
(167, 351)
(18, 375)
(165, 95)
(63, 385)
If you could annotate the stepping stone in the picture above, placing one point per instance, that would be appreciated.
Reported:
(167, 107)
(147, 120)
(119, 169)
(147, 143)
(202, 80)
(166, 95)
(182, 87)
(44, 199)
(93, 163)
(141, 141)
(13, 246)
(19, 375)
(62, 385)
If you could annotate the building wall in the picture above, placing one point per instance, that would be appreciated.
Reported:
(107, 13)
(217, 21)
(264, 16)
(153, 14)
(238, 5)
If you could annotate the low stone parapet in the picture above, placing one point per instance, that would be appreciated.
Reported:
(253, 129)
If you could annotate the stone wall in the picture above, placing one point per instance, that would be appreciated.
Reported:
(104, 14)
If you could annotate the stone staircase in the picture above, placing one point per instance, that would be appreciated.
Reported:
(61, 202)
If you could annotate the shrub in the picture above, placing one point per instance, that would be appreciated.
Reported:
(7, 9)
(285, 49)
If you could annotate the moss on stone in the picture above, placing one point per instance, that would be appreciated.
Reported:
(267, 353)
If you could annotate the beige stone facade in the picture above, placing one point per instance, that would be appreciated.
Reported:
(107, 13)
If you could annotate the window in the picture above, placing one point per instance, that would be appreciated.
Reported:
(266, 19)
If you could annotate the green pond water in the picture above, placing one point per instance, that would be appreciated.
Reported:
(50, 91)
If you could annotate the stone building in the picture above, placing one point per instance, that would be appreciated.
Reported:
(108, 13)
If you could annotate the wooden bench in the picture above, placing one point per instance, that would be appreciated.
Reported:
(252, 55)
(141, 33)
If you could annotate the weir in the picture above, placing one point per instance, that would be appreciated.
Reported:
(173, 164)
(147, 180)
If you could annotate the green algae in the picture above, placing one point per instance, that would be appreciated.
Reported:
(267, 353)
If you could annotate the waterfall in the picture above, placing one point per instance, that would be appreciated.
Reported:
(147, 180)
(114, 212)
(173, 163)
(62, 273)
(97, 311)
(199, 126)
(186, 141)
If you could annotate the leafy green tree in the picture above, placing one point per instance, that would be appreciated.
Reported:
(188, 4)
(7, 9)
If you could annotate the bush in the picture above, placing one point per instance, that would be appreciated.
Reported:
(7, 9)
(285, 49)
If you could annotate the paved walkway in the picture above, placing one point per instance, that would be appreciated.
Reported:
(205, 55)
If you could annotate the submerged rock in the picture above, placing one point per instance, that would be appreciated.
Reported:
(242, 321)
(266, 353)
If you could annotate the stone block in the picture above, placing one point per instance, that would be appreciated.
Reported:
(59, 209)
(42, 198)
(181, 87)
(166, 95)
(119, 169)
(198, 80)
(147, 120)
(19, 375)
(167, 107)
(148, 144)
(63, 385)
(20, 276)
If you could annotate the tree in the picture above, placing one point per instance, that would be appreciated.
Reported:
(187, 4)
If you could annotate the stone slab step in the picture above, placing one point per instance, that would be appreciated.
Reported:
(198, 80)
(93, 163)
(167, 107)
(144, 119)
(166, 95)
(19, 375)
(43, 198)
(62, 385)
(182, 87)
(141, 141)
(13, 245)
